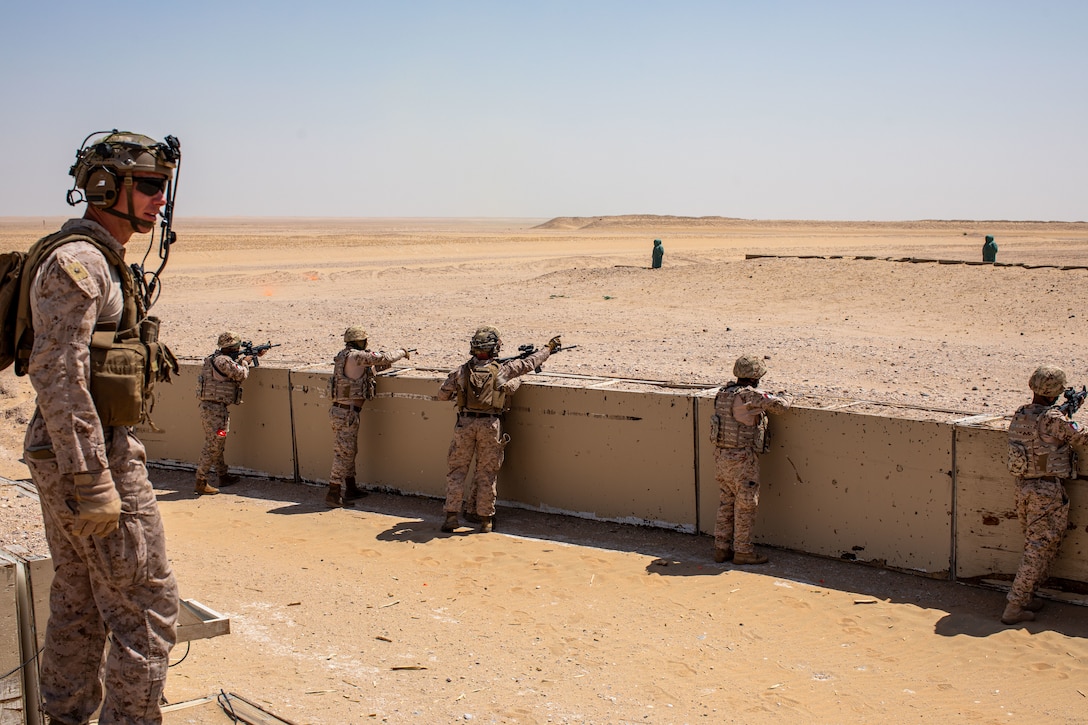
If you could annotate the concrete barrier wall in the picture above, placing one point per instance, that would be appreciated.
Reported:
(623, 456)
(921, 495)
(858, 487)
(988, 535)
(260, 439)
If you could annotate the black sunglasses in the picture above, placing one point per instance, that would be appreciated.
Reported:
(150, 186)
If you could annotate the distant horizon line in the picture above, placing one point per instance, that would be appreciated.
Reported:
(672, 219)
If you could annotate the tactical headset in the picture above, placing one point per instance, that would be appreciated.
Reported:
(98, 172)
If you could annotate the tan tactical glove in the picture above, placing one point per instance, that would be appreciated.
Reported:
(98, 507)
(554, 344)
(407, 356)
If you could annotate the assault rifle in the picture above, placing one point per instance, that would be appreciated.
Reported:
(528, 349)
(1073, 400)
(254, 351)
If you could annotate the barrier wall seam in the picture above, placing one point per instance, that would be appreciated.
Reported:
(953, 528)
(695, 455)
(291, 416)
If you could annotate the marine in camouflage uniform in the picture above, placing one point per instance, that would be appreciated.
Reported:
(219, 386)
(482, 389)
(738, 431)
(351, 384)
(102, 522)
(1040, 436)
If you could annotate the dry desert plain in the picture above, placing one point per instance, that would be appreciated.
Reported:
(371, 615)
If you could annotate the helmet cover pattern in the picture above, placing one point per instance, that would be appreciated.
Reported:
(229, 339)
(124, 153)
(485, 338)
(1048, 381)
(749, 366)
(354, 334)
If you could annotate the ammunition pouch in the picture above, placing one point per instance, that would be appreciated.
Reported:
(482, 391)
(124, 372)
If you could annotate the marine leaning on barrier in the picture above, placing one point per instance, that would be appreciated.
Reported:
(352, 384)
(1040, 455)
(220, 385)
(482, 389)
(738, 430)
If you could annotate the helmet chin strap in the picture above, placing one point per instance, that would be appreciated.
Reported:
(135, 221)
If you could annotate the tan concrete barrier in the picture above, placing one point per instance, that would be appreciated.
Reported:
(400, 432)
(616, 455)
(988, 536)
(922, 495)
(260, 440)
(857, 487)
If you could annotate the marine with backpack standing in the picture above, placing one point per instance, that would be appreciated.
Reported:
(482, 389)
(91, 352)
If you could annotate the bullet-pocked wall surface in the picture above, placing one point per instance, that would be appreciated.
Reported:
(835, 482)
(857, 487)
(401, 432)
(260, 438)
(989, 540)
(616, 455)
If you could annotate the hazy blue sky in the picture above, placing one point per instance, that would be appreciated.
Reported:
(757, 109)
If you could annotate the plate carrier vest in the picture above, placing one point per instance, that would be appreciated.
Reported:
(215, 387)
(126, 359)
(343, 389)
(1032, 454)
(479, 390)
(728, 432)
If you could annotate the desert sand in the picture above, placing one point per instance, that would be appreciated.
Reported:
(372, 615)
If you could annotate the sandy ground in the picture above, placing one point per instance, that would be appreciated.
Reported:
(558, 620)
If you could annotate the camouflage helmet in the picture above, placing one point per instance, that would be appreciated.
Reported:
(486, 338)
(749, 366)
(1048, 381)
(228, 339)
(103, 161)
(354, 334)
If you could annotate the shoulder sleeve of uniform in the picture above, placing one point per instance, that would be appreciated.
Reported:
(449, 387)
(74, 267)
(774, 403)
(229, 368)
(1054, 423)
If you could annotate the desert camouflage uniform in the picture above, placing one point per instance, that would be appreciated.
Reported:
(120, 584)
(344, 412)
(481, 435)
(215, 416)
(1041, 503)
(737, 466)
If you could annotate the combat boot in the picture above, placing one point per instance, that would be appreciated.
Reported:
(335, 497)
(486, 524)
(203, 489)
(748, 559)
(451, 523)
(352, 491)
(227, 479)
(1015, 614)
(723, 555)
